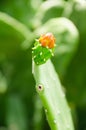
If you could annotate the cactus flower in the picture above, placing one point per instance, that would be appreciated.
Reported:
(47, 40)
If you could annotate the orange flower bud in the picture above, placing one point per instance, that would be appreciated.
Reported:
(47, 40)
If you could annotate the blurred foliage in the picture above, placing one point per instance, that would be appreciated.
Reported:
(21, 21)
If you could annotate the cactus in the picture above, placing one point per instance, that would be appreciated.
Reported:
(50, 91)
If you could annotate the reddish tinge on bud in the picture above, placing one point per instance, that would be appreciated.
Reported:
(47, 40)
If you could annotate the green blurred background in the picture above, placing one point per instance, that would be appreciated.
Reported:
(21, 21)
